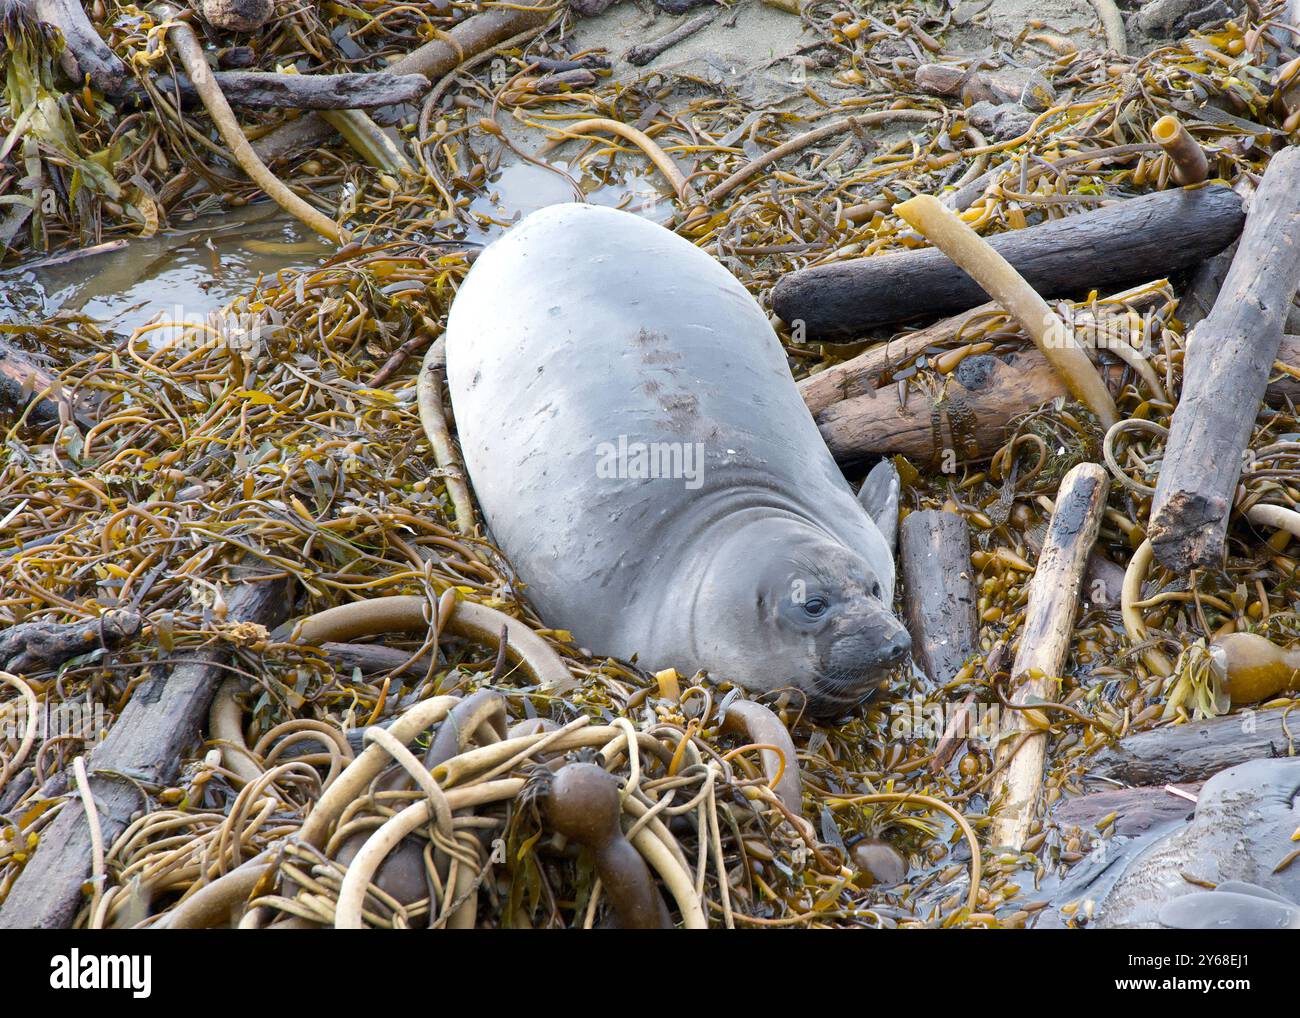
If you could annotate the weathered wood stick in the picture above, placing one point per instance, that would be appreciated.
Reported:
(1196, 751)
(85, 53)
(969, 418)
(982, 396)
(1103, 580)
(33, 646)
(64, 257)
(1229, 358)
(435, 58)
(273, 90)
(1204, 287)
(161, 721)
(865, 373)
(862, 375)
(1044, 643)
(938, 591)
(1125, 242)
(1206, 280)
(643, 53)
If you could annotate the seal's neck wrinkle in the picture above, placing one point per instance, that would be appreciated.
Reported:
(739, 577)
(741, 537)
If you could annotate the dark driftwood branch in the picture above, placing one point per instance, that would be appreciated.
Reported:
(1128, 241)
(1229, 358)
(642, 54)
(273, 90)
(982, 397)
(34, 646)
(1196, 751)
(144, 749)
(938, 591)
(86, 53)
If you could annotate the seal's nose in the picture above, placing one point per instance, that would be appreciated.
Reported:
(896, 647)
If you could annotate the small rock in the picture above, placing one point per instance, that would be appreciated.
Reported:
(1177, 17)
(1024, 85)
(236, 15)
(1001, 120)
(881, 861)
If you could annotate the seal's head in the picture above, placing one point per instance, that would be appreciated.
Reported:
(819, 613)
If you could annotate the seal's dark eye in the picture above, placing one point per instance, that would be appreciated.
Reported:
(816, 606)
(875, 590)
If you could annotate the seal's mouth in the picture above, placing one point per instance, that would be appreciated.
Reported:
(836, 695)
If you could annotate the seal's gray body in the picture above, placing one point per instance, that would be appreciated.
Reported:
(586, 335)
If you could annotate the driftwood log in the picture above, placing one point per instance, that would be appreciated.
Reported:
(143, 749)
(1196, 751)
(938, 591)
(273, 90)
(643, 53)
(872, 369)
(971, 414)
(1044, 643)
(35, 646)
(1125, 242)
(1103, 580)
(1229, 359)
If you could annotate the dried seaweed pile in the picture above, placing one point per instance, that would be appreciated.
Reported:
(284, 443)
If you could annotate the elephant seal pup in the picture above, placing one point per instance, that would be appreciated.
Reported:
(642, 456)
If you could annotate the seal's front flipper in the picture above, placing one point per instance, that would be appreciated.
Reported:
(879, 497)
(1226, 910)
